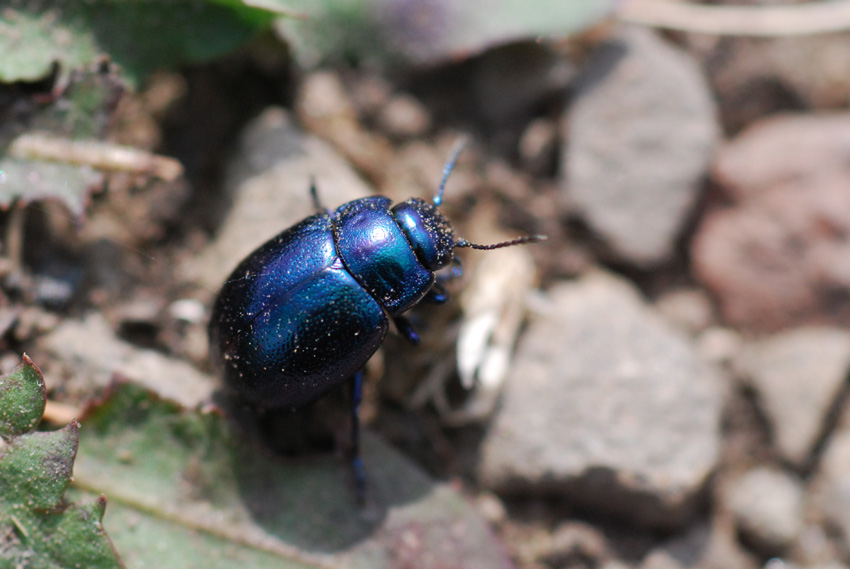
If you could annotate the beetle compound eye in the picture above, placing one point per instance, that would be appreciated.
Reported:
(428, 231)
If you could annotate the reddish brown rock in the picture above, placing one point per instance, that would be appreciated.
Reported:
(783, 150)
(779, 254)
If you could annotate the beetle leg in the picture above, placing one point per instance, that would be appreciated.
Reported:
(356, 460)
(450, 274)
(314, 194)
(405, 328)
(457, 269)
(437, 294)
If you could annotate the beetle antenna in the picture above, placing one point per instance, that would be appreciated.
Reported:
(517, 241)
(459, 146)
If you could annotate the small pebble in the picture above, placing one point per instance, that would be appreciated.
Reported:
(768, 505)
(404, 117)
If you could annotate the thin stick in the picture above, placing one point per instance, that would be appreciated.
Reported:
(100, 155)
(60, 413)
(765, 21)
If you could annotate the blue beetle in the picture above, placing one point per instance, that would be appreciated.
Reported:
(306, 310)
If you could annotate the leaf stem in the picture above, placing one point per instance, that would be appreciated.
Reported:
(765, 21)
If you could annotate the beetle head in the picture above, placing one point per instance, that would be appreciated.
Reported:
(428, 231)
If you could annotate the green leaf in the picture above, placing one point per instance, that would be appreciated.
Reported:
(187, 482)
(426, 33)
(139, 35)
(84, 107)
(37, 157)
(36, 469)
(77, 538)
(22, 399)
(38, 528)
(34, 38)
(34, 180)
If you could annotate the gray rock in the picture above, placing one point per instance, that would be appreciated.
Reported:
(269, 180)
(768, 506)
(797, 376)
(608, 405)
(640, 136)
(92, 355)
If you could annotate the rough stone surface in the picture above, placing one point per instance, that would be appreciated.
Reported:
(269, 181)
(640, 136)
(777, 255)
(797, 376)
(90, 352)
(768, 506)
(608, 405)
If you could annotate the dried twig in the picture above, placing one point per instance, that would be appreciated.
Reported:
(100, 155)
(60, 413)
(791, 20)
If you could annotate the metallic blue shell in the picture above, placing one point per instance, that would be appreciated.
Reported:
(307, 310)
